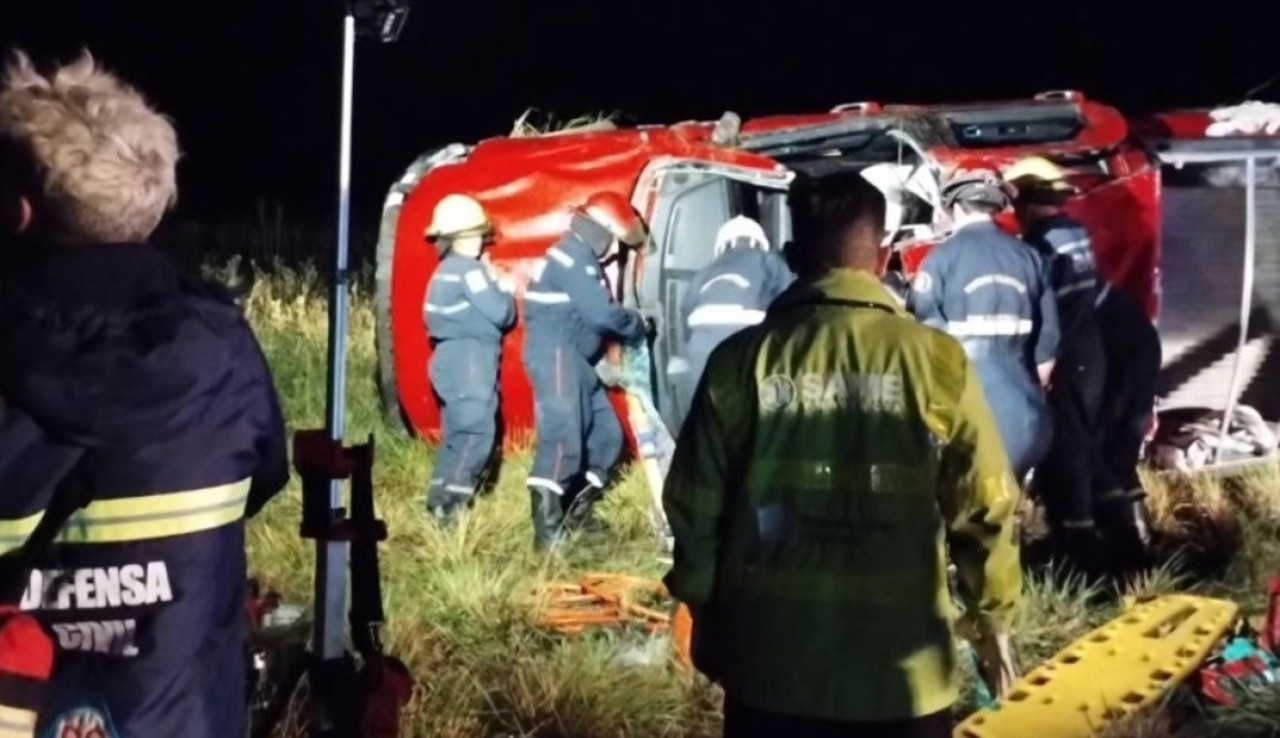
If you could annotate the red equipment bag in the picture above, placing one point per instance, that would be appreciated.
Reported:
(26, 664)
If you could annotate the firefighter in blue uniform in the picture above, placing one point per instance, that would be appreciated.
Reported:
(991, 292)
(1064, 480)
(467, 311)
(147, 390)
(732, 292)
(569, 315)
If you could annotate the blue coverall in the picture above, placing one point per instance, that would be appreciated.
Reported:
(568, 314)
(730, 293)
(991, 292)
(1064, 478)
(466, 315)
(160, 382)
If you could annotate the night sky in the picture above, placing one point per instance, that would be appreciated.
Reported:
(254, 84)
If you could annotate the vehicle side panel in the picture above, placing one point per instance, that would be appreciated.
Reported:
(527, 186)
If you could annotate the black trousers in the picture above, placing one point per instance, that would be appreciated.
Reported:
(1064, 479)
(741, 721)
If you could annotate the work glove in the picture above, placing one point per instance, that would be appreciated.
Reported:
(995, 660)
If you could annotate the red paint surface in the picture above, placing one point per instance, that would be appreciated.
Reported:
(527, 185)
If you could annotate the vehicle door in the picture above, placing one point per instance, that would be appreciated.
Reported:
(684, 202)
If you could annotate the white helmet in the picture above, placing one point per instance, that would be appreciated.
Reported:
(741, 231)
(458, 215)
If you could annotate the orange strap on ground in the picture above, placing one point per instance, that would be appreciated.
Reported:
(613, 600)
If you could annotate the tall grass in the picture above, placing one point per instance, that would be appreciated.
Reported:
(460, 605)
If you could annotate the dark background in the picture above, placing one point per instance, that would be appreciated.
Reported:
(254, 84)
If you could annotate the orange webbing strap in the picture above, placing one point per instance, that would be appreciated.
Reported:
(612, 600)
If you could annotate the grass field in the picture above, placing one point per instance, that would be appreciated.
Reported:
(457, 602)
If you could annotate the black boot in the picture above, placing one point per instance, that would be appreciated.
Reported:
(547, 517)
(1125, 524)
(579, 509)
(446, 506)
(1079, 552)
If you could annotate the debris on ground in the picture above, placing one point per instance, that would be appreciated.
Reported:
(617, 601)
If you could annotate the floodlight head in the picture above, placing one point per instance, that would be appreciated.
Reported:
(382, 18)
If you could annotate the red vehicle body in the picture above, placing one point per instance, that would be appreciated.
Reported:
(686, 183)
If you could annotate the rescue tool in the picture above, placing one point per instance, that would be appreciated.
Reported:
(346, 701)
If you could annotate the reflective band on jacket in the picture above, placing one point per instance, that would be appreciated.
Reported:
(1073, 246)
(883, 587)
(849, 474)
(140, 518)
(15, 723)
(1080, 286)
(547, 298)
(724, 315)
(990, 325)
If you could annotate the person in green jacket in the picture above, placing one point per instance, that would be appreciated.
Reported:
(833, 456)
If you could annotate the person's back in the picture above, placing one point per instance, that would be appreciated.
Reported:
(151, 394)
(996, 285)
(731, 292)
(990, 291)
(831, 455)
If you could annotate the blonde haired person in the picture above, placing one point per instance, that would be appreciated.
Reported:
(134, 397)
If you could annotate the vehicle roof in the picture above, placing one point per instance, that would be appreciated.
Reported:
(528, 183)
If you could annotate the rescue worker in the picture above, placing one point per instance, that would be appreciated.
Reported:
(145, 393)
(1064, 479)
(569, 315)
(467, 312)
(1128, 410)
(731, 292)
(834, 454)
(989, 290)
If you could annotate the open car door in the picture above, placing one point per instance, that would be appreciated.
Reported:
(685, 202)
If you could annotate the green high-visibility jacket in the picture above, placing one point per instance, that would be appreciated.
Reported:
(833, 456)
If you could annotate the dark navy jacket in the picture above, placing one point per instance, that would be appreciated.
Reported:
(466, 314)
(567, 304)
(1065, 246)
(991, 291)
(107, 351)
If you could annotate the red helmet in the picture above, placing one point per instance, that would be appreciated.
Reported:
(615, 214)
(974, 181)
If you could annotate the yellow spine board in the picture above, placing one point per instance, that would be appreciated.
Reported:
(1118, 669)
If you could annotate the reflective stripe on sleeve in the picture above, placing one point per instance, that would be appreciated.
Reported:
(456, 307)
(140, 518)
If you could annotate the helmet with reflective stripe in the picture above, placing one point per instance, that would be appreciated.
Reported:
(976, 183)
(458, 216)
(1039, 180)
(741, 231)
(615, 214)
